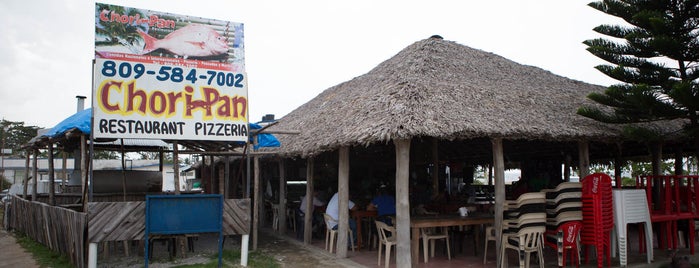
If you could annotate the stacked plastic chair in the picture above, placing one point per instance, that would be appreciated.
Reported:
(598, 215)
(630, 207)
(524, 224)
(564, 220)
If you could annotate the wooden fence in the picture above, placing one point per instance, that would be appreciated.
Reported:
(125, 221)
(68, 232)
(62, 230)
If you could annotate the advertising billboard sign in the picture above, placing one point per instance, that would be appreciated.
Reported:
(165, 76)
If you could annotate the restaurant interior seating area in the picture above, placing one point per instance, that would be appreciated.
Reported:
(571, 224)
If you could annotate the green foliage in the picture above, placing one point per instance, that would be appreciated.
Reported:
(107, 155)
(627, 181)
(14, 135)
(654, 56)
(43, 255)
(5, 183)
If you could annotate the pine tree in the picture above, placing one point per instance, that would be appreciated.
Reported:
(655, 57)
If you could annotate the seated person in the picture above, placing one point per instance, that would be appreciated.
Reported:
(315, 219)
(385, 204)
(333, 210)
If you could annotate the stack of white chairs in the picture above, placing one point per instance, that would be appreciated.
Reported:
(524, 224)
(564, 220)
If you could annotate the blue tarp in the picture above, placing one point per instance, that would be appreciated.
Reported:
(81, 121)
(264, 139)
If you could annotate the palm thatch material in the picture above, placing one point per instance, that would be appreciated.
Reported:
(439, 88)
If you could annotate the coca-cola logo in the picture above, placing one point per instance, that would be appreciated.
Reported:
(595, 184)
(571, 234)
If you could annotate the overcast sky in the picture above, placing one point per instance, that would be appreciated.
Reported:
(293, 49)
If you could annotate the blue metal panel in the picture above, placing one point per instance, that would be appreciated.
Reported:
(184, 214)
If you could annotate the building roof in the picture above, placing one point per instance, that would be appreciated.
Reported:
(439, 88)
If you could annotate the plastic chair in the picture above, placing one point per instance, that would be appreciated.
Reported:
(275, 217)
(523, 227)
(489, 236)
(331, 234)
(525, 241)
(429, 235)
(630, 207)
(385, 240)
(598, 216)
(291, 217)
(565, 239)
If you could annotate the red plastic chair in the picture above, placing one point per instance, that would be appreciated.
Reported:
(565, 239)
(598, 215)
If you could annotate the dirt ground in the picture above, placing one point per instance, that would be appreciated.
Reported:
(288, 252)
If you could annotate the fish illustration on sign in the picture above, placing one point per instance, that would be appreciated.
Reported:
(193, 40)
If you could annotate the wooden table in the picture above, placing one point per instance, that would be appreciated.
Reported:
(442, 220)
(358, 215)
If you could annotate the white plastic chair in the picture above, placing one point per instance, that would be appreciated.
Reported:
(631, 206)
(429, 235)
(385, 240)
(489, 236)
(331, 234)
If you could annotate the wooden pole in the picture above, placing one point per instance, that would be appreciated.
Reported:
(123, 170)
(435, 167)
(257, 201)
(226, 176)
(282, 197)
(35, 174)
(343, 201)
(583, 159)
(308, 217)
(679, 154)
(657, 155)
(64, 181)
(26, 174)
(403, 247)
(52, 187)
(499, 168)
(566, 167)
(83, 170)
(176, 165)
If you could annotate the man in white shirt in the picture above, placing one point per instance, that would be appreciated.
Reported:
(333, 210)
(315, 218)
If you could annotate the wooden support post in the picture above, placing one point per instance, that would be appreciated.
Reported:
(226, 176)
(123, 171)
(35, 173)
(221, 173)
(176, 165)
(257, 200)
(403, 257)
(83, 170)
(282, 197)
(64, 180)
(343, 201)
(566, 167)
(308, 217)
(499, 168)
(435, 167)
(52, 186)
(26, 174)
(679, 155)
(583, 159)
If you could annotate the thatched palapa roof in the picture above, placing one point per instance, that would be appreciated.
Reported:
(442, 89)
